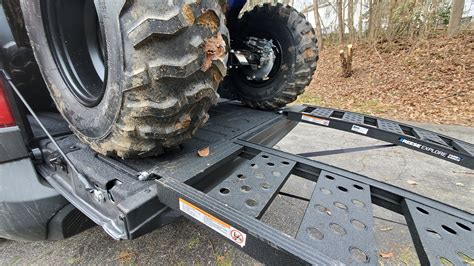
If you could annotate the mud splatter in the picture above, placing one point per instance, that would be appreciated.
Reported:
(214, 49)
(210, 20)
(188, 14)
(184, 122)
(217, 76)
(309, 53)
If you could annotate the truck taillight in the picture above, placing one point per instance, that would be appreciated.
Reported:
(6, 116)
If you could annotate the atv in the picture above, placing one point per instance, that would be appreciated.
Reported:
(136, 78)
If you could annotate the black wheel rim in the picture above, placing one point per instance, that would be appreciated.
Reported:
(76, 41)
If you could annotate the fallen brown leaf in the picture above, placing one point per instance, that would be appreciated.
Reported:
(386, 255)
(203, 152)
(125, 256)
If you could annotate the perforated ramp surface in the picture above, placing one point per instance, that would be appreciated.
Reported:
(338, 220)
(254, 184)
(441, 238)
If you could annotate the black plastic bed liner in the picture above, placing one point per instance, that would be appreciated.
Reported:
(119, 180)
(229, 190)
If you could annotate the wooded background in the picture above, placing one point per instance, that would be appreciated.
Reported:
(373, 20)
(413, 59)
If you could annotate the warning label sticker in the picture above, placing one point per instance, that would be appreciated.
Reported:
(361, 130)
(315, 120)
(214, 223)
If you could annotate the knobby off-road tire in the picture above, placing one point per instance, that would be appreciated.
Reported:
(162, 63)
(296, 51)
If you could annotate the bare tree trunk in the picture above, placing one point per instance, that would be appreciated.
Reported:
(346, 61)
(435, 9)
(371, 18)
(434, 13)
(340, 20)
(432, 20)
(427, 15)
(361, 26)
(375, 18)
(350, 18)
(392, 4)
(317, 22)
(378, 22)
(454, 26)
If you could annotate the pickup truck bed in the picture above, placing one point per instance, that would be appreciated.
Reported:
(118, 180)
(230, 189)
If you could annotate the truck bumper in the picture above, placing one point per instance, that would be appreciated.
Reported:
(29, 206)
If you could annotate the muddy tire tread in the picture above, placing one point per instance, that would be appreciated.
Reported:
(306, 44)
(148, 122)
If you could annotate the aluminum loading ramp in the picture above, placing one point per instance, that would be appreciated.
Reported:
(337, 226)
(229, 190)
